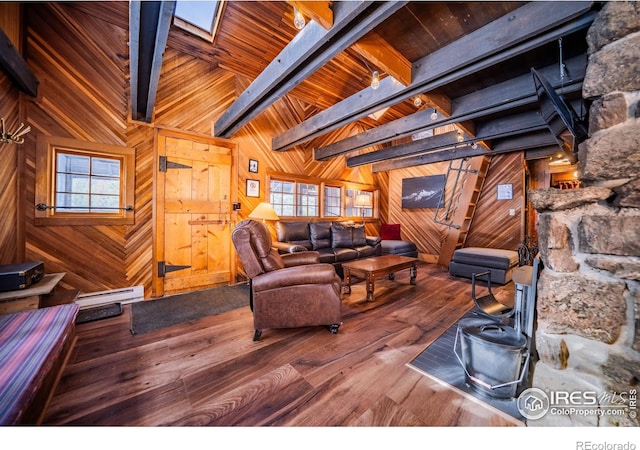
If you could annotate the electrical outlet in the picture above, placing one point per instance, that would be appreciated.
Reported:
(512, 212)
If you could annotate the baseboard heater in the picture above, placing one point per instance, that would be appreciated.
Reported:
(123, 296)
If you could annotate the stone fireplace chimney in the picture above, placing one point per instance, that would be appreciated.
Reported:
(588, 307)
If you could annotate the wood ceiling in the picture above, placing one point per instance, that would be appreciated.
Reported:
(470, 60)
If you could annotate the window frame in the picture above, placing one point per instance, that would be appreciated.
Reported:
(322, 183)
(47, 147)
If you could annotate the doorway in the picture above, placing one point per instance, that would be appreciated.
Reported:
(193, 217)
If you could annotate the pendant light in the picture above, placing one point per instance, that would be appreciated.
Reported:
(375, 80)
(298, 19)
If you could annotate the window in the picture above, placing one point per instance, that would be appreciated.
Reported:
(307, 204)
(332, 201)
(83, 183)
(302, 196)
(289, 198)
(282, 197)
(200, 17)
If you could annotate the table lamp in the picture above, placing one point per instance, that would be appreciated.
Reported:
(265, 212)
(363, 201)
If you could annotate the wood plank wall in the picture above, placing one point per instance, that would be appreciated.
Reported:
(80, 56)
(418, 225)
(79, 52)
(11, 238)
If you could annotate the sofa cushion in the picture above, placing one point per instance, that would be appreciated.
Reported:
(390, 231)
(366, 251)
(320, 233)
(357, 235)
(294, 233)
(326, 255)
(345, 254)
(341, 236)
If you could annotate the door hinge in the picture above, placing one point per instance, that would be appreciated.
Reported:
(164, 268)
(164, 164)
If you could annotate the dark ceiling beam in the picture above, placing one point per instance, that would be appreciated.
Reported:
(508, 145)
(525, 29)
(500, 128)
(510, 94)
(309, 50)
(149, 24)
(16, 67)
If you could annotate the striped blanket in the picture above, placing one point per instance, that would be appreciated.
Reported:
(30, 343)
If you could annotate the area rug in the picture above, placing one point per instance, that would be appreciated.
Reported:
(439, 362)
(153, 315)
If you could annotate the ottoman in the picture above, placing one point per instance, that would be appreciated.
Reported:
(398, 247)
(470, 260)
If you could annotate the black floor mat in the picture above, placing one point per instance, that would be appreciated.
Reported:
(99, 312)
(439, 362)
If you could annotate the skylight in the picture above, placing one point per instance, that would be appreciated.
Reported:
(199, 17)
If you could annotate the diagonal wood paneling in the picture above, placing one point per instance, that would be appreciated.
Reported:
(80, 53)
(492, 226)
(9, 175)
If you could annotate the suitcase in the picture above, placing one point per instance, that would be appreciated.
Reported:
(20, 276)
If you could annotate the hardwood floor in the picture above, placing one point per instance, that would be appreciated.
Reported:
(210, 372)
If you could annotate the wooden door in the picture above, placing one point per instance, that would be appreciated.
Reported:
(194, 218)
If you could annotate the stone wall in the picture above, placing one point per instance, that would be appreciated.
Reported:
(588, 307)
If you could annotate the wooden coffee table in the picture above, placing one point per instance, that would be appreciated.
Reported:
(372, 268)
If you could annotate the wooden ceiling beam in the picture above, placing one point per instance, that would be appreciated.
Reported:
(508, 145)
(320, 12)
(383, 56)
(312, 47)
(149, 24)
(496, 129)
(16, 67)
(511, 94)
(529, 27)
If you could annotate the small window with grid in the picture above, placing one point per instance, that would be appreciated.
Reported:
(332, 201)
(83, 183)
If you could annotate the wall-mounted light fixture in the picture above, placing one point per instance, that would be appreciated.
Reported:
(434, 114)
(298, 19)
(417, 101)
(16, 137)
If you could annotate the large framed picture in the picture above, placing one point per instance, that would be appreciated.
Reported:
(423, 192)
(253, 188)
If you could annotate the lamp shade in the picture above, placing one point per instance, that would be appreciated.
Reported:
(363, 201)
(264, 211)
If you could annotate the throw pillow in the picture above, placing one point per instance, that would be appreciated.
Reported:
(341, 237)
(390, 231)
(358, 236)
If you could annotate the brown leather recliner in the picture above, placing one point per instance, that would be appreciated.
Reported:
(287, 291)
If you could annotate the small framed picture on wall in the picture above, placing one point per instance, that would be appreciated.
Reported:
(253, 166)
(253, 188)
(505, 191)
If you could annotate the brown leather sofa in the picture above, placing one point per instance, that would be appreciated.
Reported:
(335, 242)
(293, 290)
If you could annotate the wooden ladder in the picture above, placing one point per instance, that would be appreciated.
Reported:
(455, 236)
